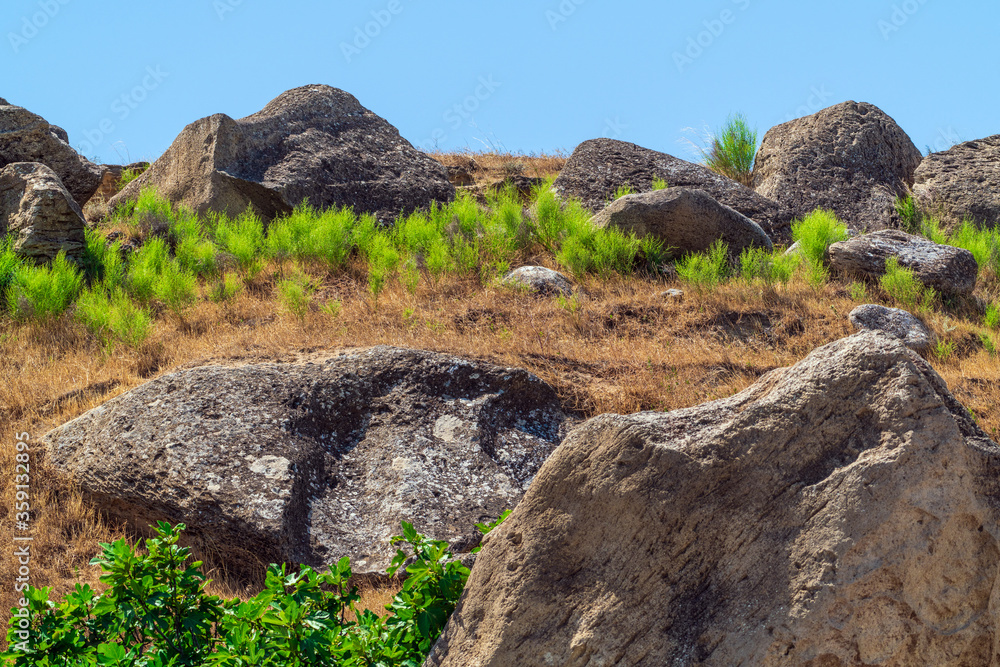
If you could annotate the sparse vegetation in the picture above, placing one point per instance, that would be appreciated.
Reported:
(731, 152)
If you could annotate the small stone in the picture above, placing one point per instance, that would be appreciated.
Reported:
(677, 294)
(540, 281)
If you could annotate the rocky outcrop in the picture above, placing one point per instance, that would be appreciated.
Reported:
(27, 137)
(851, 158)
(38, 211)
(685, 219)
(947, 269)
(843, 511)
(599, 167)
(539, 280)
(309, 463)
(895, 322)
(962, 183)
(111, 175)
(315, 142)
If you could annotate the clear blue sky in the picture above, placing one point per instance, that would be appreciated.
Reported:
(123, 78)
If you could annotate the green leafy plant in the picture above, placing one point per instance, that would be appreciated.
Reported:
(858, 291)
(992, 316)
(902, 284)
(226, 287)
(296, 294)
(816, 233)
(659, 183)
(987, 342)
(731, 152)
(768, 266)
(112, 316)
(43, 292)
(943, 349)
(909, 214)
(622, 191)
(707, 270)
(129, 174)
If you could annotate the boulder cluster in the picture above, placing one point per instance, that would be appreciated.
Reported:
(843, 511)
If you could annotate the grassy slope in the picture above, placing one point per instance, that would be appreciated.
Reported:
(624, 348)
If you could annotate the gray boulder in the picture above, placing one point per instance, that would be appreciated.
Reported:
(539, 280)
(39, 212)
(27, 137)
(598, 167)
(851, 158)
(309, 463)
(686, 220)
(843, 511)
(315, 142)
(896, 322)
(947, 269)
(962, 183)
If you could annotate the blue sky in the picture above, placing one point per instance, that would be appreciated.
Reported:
(123, 78)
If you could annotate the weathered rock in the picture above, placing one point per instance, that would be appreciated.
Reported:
(673, 294)
(843, 511)
(539, 280)
(685, 219)
(896, 322)
(313, 142)
(111, 176)
(308, 463)
(599, 167)
(39, 212)
(458, 175)
(27, 137)
(851, 158)
(962, 182)
(947, 269)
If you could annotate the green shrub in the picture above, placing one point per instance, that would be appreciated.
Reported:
(145, 267)
(156, 612)
(817, 275)
(909, 214)
(296, 293)
(622, 191)
(982, 243)
(243, 238)
(817, 232)
(112, 316)
(732, 151)
(859, 291)
(943, 349)
(988, 344)
(575, 256)
(383, 259)
(768, 266)
(902, 284)
(659, 183)
(705, 270)
(176, 288)
(931, 228)
(44, 292)
(614, 251)
(9, 264)
(992, 316)
(129, 175)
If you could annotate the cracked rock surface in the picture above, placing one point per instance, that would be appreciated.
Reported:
(843, 511)
(312, 462)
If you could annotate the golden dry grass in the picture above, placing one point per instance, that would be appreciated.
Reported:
(491, 167)
(623, 348)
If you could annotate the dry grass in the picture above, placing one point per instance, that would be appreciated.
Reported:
(624, 348)
(492, 167)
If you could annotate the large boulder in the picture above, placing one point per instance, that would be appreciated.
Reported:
(898, 323)
(599, 167)
(947, 269)
(962, 182)
(685, 219)
(311, 462)
(843, 511)
(39, 212)
(315, 142)
(539, 280)
(27, 137)
(851, 158)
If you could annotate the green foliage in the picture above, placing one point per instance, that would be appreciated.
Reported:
(705, 270)
(769, 266)
(901, 284)
(145, 267)
(931, 228)
(243, 239)
(659, 183)
(129, 175)
(176, 288)
(987, 342)
(383, 259)
(43, 292)
(226, 287)
(992, 316)
(816, 233)
(732, 151)
(112, 316)
(296, 293)
(622, 191)
(155, 612)
(943, 349)
(9, 264)
(982, 243)
(909, 214)
(859, 291)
